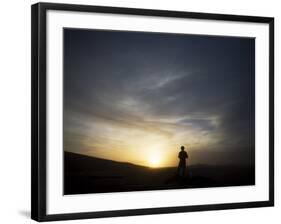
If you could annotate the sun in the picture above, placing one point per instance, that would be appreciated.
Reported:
(154, 160)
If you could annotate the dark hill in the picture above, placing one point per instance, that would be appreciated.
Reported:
(85, 174)
(82, 163)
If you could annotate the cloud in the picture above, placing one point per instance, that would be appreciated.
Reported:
(189, 89)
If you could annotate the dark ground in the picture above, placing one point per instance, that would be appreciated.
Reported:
(84, 174)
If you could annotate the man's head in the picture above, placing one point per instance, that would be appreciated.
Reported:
(182, 148)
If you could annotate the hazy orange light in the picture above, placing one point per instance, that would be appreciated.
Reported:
(154, 160)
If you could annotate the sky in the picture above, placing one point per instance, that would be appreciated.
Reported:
(138, 96)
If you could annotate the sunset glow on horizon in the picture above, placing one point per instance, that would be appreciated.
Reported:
(154, 144)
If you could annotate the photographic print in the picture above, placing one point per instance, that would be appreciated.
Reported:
(157, 111)
(132, 106)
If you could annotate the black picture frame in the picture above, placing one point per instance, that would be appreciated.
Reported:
(39, 125)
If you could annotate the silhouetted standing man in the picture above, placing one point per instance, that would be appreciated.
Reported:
(182, 164)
